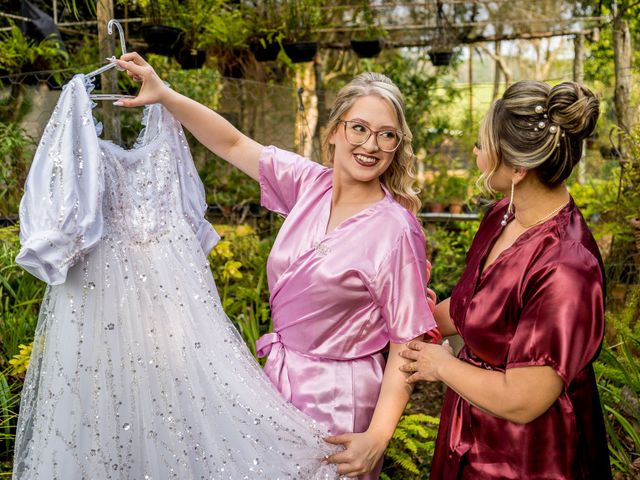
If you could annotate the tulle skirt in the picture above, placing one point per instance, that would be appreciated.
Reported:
(137, 373)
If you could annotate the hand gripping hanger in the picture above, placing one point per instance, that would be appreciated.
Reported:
(110, 65)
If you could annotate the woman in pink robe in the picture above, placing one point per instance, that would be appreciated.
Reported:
(522, 401)
(348, 272)
(337, 299)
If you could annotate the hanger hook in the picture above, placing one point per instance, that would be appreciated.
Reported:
(112, 22)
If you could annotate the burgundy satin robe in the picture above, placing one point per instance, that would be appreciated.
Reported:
(539, 303)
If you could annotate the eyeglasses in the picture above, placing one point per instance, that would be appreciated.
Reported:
(357, 134)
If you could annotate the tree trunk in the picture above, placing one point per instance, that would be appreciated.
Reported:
(307, 117)
(622, 62)
(497, 71)
(578, 76)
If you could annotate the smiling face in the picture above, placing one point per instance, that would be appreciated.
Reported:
(366, 162)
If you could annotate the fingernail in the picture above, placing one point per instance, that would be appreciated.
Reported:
(118, 103)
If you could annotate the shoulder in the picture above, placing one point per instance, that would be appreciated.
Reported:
(399, 225)
(568, 261)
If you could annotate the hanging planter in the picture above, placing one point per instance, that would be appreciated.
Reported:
(300, 52)
(265, 51)
(162, 39)
(367, 48)
(190, 58)
(441, 58)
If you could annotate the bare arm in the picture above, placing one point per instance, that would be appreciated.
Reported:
(443, 319)
(364, 450)
(519, 394)
(211, 129)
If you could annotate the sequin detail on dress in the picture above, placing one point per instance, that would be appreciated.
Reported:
(136, 372)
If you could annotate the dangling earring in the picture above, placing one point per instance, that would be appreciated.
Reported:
(509, 208)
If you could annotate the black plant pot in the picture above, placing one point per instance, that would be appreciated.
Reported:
(300, 52)
(366, 48)
(190, 58)
(162, 39)
(441, 58)
(265, 53)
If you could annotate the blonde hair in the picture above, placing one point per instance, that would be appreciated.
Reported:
(537, 127)
(400, 176)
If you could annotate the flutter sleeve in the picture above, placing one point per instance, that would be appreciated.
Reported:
(562, 320)
(401, 290)
(60, 211)
(283, 177)
(194, 201)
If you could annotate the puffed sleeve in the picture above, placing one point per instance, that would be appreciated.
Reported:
(561, 324)
(60, 212)
(400, 288)
(194, 201)
(283, 176)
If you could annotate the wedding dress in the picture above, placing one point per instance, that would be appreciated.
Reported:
(136, 371)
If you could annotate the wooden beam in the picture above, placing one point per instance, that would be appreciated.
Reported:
(465, 41)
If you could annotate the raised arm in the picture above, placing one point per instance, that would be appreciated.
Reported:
(210, 128)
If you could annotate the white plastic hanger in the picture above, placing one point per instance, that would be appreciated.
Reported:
(110, 65)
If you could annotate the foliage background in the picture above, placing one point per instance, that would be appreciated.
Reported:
(443, 110)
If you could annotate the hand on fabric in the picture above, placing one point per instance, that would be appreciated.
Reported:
(427, 359)
(152, 88)
(362, 452)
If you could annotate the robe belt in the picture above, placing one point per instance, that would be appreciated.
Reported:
(460, 436)
(266, 342)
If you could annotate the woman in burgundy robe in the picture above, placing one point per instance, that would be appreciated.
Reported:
(522, 401)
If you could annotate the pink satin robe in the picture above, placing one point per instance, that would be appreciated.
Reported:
(539, 303)
(337, 299)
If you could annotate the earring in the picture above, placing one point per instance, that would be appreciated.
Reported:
(510, 207)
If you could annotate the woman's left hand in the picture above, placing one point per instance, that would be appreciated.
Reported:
(362, 452)
(427, 359)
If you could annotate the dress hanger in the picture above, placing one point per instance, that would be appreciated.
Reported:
(110, 65)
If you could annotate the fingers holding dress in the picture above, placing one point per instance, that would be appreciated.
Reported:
(153, 88)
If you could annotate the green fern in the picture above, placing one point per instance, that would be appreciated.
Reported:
(411, 449)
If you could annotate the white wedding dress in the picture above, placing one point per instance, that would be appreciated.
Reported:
(136, 371)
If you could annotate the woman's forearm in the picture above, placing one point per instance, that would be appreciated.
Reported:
(393, 398)
(519, 395)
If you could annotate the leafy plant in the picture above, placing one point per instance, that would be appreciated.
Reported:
(365, 15)
(411, 448)
(238, 262)
(302, 19)
(618, 372)
(448, 245)
(205, 23)
(21, 54)
(16, 150)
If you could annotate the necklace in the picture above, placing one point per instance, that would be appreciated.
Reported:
(546, 217)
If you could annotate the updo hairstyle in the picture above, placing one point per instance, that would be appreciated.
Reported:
(539, 128)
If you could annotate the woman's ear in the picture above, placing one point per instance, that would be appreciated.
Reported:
(332, 138)
(518, 175)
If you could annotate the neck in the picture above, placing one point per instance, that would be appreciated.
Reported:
(349, 191)
(535, 203)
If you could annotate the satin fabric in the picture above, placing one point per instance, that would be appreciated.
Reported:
(539, 303)
(337, 299)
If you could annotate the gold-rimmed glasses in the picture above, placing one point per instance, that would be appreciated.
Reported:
(357, 133)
